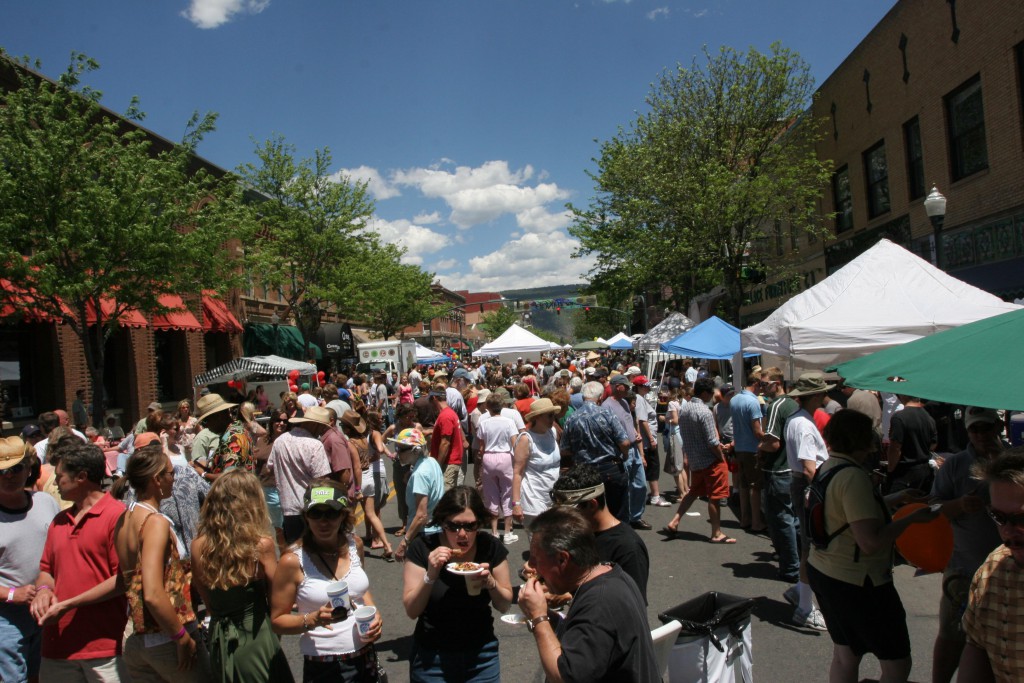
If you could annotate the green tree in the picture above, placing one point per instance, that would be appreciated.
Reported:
(388, 295)
(497, 321)
(693, 189)
(96, 218)
(599, 321)
(310, 230)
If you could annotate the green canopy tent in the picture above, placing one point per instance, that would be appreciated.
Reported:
(590, 346)
(977, 364)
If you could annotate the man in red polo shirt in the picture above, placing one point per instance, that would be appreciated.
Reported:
(446, 439)
(78, 603)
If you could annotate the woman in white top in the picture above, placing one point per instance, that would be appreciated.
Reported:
(536, 463)
(331, 645)
(675, 442)
(494, 435)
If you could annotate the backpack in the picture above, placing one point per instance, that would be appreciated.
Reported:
(814, 508)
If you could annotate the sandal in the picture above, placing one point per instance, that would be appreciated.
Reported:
(388, 556)
(399, 532)
(722, 540)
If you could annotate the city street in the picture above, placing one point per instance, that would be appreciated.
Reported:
(680, 570)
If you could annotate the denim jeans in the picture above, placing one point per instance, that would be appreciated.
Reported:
(637, 485)
(783, 524)
(444, 666)
(20, 638)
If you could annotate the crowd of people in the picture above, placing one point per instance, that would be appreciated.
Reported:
(186, 548)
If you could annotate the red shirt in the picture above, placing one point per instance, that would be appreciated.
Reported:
(79, 557)
(821, 419)
(447, 424)
(338, 454)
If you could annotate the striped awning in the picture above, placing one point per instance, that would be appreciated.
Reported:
(244, 368)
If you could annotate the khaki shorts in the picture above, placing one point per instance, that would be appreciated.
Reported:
(750, 475)
(956, 588)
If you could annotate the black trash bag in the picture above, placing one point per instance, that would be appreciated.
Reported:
(705, 614)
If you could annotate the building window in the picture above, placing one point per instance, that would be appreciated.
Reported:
(915, 158)
(877, 175)
(842, 200)
(965, 120)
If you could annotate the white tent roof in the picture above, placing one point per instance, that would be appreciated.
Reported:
(885, 296)
(425, 355)
(513, 340)
(619, 337)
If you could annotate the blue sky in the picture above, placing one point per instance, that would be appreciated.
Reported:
(474, 121)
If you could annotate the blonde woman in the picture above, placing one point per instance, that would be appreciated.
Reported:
(189, 425)
(233, 566)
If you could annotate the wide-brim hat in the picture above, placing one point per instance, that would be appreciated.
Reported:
(809, 383)
(355, 421)
(593, 355)
(409, 437)
(210, 404)
(12, 451)
(542, 406)
(316, 415)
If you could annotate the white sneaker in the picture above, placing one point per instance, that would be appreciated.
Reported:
(792, 595)
(509, 539)
(812, 619)
(660, 502)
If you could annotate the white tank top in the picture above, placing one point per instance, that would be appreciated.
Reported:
(312, 595)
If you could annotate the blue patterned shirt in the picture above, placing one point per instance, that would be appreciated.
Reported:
(593, 434)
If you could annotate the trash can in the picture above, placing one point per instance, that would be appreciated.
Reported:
(715, 644)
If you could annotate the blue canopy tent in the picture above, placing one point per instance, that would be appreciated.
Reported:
(622, 345)
(714, 338)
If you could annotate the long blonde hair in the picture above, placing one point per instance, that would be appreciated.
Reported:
(232, 522)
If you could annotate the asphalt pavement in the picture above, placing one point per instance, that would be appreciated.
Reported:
(681, 569)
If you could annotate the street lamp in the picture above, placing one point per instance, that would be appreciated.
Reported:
(935, 207)
(275, 320)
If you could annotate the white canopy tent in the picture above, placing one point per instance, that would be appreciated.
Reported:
(884, 297)
(427, 356)
(515, 342)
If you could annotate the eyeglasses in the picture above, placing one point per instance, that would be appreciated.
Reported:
(14, 469)
(323, 513)
(1004, 519)
(456, 527)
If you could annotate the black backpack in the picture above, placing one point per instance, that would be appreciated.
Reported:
(814, 508)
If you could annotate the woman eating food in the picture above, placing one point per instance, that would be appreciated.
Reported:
(452, 579)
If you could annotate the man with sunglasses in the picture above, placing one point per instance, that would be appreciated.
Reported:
(24, 519)
(964, 498)
(995, 613)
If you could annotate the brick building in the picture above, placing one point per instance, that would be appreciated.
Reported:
(446, 331)
(933, 96)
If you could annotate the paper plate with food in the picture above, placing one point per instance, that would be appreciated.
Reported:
(464, 568)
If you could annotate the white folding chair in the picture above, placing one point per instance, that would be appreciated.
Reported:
(664, 638)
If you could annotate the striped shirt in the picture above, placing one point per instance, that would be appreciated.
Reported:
(779, 411)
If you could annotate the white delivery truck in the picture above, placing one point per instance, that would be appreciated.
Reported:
(398, 355)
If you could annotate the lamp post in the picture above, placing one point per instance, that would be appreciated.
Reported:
(935, 207)
(275, 320)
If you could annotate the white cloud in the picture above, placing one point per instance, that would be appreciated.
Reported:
(427, 218)
(375, 182)
(482, 194)
(659, 12)
(417, 240)
(446, 264)
(213, 13)
(533, 260)
(539, 219)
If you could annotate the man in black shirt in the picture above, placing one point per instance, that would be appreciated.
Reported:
(604, 635)
(618, 543)
(912, 438)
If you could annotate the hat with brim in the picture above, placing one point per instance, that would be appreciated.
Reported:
(974, 415)
(542, 406)
(482, 396)
(809, 383)
(503, 394)
(620, 379)
(12, 451)
(146, 439)
(210, 404)
(593, 355)
(327, 496)
(314, 415)
(410, 438)
(633, 370)
(354, 421)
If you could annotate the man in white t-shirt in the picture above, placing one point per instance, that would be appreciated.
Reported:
(806, 451)
(306, 399)
(691, 372)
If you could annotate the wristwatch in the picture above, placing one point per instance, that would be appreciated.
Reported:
(532, 624)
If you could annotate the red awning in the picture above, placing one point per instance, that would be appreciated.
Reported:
(180, 318)
(217, 317)
(130, 318)
(26, 298)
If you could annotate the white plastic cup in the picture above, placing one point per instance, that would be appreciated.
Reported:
(474, 583)
(337, 592)
(364, 617)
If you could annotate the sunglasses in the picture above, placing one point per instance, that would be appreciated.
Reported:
(323, 513)
(1004, 519)
(456, 527)
(14, 469)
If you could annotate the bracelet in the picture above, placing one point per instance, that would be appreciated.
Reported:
(305, 626)
(180, 634)
(10, 594)
(39, 588)
(516, 504)
(427, 580)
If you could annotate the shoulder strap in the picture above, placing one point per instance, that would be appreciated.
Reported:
(826, 479)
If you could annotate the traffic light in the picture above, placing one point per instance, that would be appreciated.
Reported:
(586, 310)
(558, 310)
